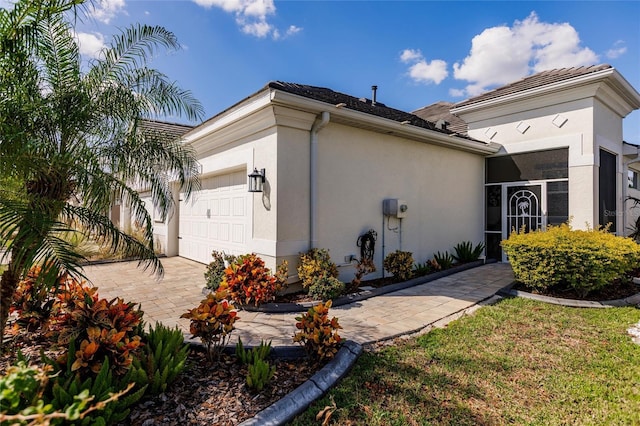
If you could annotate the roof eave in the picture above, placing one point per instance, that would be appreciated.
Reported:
(621, 86)
(383, 125)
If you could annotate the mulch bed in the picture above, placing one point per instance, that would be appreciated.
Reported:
(205, 393)
(217, 394)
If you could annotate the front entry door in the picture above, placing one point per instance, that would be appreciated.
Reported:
(523, 209)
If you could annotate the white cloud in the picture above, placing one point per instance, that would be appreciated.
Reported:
(503, 54)
(423, 71)
(259, 29)
(429, 72)
(293, 29)
(410, 55)
(251, 16)
(106, 10)
(90, 44)
(617, 50)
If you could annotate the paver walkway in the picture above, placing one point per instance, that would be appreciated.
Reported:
(367, 321)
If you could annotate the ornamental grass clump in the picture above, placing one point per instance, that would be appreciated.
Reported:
(562, 258)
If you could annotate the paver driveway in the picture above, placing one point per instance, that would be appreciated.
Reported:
(381, 317)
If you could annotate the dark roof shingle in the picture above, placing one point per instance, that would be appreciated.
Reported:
(442, 111)
(173, 129)
(329, 96)
(533, 81)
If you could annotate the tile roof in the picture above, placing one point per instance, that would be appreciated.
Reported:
(329, 96)
(536, 80)
(173, 129)
(442, 111)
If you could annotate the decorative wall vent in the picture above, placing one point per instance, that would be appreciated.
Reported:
(522, 127)
(491, 133)
(559, 120)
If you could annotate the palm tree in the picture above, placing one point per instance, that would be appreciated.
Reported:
(75, 139)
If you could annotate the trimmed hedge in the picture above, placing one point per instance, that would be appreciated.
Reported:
(560, 257)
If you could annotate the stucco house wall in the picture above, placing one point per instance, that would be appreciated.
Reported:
(359, 169)
(331, 159)
(583, 115)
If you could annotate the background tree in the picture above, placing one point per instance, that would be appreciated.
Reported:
(76, 140)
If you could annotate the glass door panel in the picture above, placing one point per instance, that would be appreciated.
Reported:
(524, 208)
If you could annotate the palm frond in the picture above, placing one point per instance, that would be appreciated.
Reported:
(160, 97)
(104, 231)
(131, 50)
(61, 56)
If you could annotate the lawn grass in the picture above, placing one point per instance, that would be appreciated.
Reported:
(517, 362)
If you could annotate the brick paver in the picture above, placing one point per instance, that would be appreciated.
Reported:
(180, 289)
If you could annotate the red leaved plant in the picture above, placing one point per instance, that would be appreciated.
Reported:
(249, 281)
(98, 327)
(33, 300)
(213, 321)
(318, 334)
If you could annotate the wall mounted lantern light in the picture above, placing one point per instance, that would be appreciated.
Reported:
(256, 180)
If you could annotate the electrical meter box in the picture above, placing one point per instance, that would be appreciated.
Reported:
(394, 207)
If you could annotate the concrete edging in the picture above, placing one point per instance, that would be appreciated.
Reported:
(294, 403)
(281, 308)
(573, 303)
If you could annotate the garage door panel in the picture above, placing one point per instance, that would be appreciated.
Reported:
(224, 232)
(225, 207)
(215, 207)
(216, 219)
(239, 206)
(213, 231)
(238, 234)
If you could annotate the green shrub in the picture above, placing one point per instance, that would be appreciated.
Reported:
(421, 269)
(249, 356)
(399, 264)
(444, 260)
(162, 357)
(69, 385)
(465, 252)
(315, 263)
(21, 387)
(215, 270)
(560, 257)
(259, 373)
(24, 391)
(326, 287)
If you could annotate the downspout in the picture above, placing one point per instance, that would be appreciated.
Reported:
(318, 124)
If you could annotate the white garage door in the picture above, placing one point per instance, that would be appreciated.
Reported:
(215, 218)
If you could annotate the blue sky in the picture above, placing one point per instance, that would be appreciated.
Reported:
(416, 52)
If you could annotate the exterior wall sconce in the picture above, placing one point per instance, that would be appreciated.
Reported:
(256, 180)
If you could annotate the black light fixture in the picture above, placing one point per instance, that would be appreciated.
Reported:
(256, 180)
